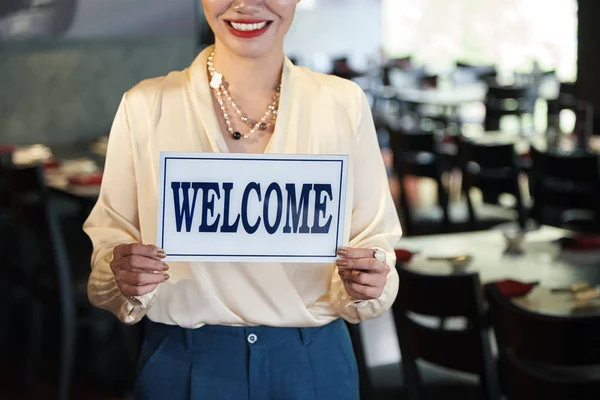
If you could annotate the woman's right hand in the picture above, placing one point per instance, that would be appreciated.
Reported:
(138, 268)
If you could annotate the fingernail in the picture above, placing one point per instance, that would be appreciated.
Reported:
(165, 267)
(341, 261)
(167, 277)
(161, 253)
(342, 251)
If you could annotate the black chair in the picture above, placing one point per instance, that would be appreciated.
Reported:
(401, 62)
(40, 237)
(45, 275)
(504, 101)
(368, 377)
(9, 282)
(583, 110)
(341, 67)
(542, 356)
(468, 73)
(566, 190)
(384, 105)
(366, 385)
(491, 75)
(493, 169)
(381, 382)
(429, 117)
(566, 100)
(467, 350)
(415, 154)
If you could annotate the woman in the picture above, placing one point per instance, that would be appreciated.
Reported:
(242, 330)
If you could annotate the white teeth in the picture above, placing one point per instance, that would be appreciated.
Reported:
(248, 27)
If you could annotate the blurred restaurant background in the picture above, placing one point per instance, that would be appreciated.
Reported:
(487, 114)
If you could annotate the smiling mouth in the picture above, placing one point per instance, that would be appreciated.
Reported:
(249, 27)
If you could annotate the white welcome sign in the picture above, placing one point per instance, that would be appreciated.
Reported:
(251, 208)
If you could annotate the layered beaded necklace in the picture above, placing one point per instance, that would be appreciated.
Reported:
(217, 83)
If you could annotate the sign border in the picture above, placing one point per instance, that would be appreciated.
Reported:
(339, 158)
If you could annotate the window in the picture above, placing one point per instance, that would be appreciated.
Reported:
(511, 34)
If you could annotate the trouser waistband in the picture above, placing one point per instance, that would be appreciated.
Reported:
(223, 335)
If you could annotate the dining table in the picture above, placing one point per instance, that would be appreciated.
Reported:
(59, 184)
(543, 260)
(565, 143)
(453, 95)
(553, 271)
(73, 171)
(448, 96)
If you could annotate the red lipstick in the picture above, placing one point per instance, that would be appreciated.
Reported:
(247, 34)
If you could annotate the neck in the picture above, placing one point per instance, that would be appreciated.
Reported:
(259, 75)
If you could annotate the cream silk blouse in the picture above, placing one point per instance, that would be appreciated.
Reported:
(318, 114)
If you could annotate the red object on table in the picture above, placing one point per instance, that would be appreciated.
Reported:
(584, 242)
(403, 255)
(85, 180)
(448, 139)
(52, 163)
(7, 148)
(526, 155)
(512, 288)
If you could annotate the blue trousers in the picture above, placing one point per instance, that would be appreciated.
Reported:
(247, 363)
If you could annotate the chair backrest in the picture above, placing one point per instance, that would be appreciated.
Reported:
(566, 100)
(481, 67)
(506, 93)
(491, 74)
(501, 101)
(413, 142)
(523, 381)
(37, 224)
(544, 356)
(566, 181)
(468, 73)
(493, 169)
(366, 384)
(415, 153)
(555, 340)
(401, 62)
(464, 64)
(442, 296)
(487, 156)
(580, 168)
(569, 88)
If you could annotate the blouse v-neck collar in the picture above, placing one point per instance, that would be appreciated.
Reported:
(200, 85)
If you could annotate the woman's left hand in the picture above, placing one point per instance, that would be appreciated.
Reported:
(363, 275)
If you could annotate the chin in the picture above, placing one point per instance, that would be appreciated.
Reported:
(249, 49)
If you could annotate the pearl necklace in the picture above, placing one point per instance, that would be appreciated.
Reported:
(223, 97)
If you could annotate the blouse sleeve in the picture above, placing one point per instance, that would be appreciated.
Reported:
(374, 221)
(113, 221)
